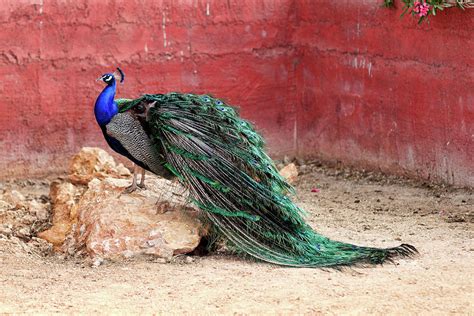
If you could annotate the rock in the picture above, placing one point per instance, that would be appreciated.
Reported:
(303, 169)
(289, 172)
(24, 232)
(4, 205)
(63, 198)
(97, 262)
(41, 246)
(13, 199)
(6, 229)
(18, 215)
(41, 213)
(92, 163)
(300, 161)
(104, 223)
(113, 225)
(28, 219)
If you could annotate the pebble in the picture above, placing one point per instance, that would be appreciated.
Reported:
(6, 229)
(24, 232)
(303, 169)
(97, 262)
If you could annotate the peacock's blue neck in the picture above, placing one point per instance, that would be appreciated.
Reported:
(105, 107)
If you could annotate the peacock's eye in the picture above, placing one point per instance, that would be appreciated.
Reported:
(221, 108)
(206, 99)
(219, 102)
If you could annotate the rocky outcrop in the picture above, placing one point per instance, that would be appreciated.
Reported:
(91, 163)
(93, 216)
(111, 224)
(22, 217)
(64, 196)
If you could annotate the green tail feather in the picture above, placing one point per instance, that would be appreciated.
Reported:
(221, 160)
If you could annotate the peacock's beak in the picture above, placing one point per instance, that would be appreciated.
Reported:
(98, 79)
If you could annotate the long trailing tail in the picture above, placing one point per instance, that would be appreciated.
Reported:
(308, 248)
(220, 159)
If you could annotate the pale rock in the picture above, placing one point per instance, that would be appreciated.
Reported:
(6, 229)
(41, 213)
(289, 172)
(13, 199)
(34, 207)
(113, 225)
(28, 219)
(24, 232)
(92, 163)
(64, 197)
(17, 196)
(41, 246)
(4, 205)
(100, 220)
(97, 262)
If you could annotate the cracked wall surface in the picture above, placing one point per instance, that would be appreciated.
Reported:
(347, 81)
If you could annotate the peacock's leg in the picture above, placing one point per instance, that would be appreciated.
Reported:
(133, 187)
(142, 180)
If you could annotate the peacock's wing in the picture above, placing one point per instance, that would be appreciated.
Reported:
(221, 160)
(126, 129)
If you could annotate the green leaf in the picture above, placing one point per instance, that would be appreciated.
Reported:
(404, 11)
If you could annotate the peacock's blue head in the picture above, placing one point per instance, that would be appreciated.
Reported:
(110, 78)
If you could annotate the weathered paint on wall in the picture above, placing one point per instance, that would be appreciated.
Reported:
(350, 81)
(382, 92)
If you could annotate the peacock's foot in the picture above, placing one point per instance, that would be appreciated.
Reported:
(141, 186)
(131, 189)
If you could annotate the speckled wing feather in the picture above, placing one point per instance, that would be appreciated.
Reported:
(127, 129)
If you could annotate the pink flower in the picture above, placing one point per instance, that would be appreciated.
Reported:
(421, 8)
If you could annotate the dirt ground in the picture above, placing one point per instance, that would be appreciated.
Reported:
(361, 208)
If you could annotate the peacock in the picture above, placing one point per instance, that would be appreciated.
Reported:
(220, 159)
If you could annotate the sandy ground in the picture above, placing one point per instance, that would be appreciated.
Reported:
(364, 209)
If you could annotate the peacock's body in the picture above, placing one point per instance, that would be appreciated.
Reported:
(220, 159)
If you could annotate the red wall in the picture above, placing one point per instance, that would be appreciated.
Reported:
(347, 81)
(380, 91)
